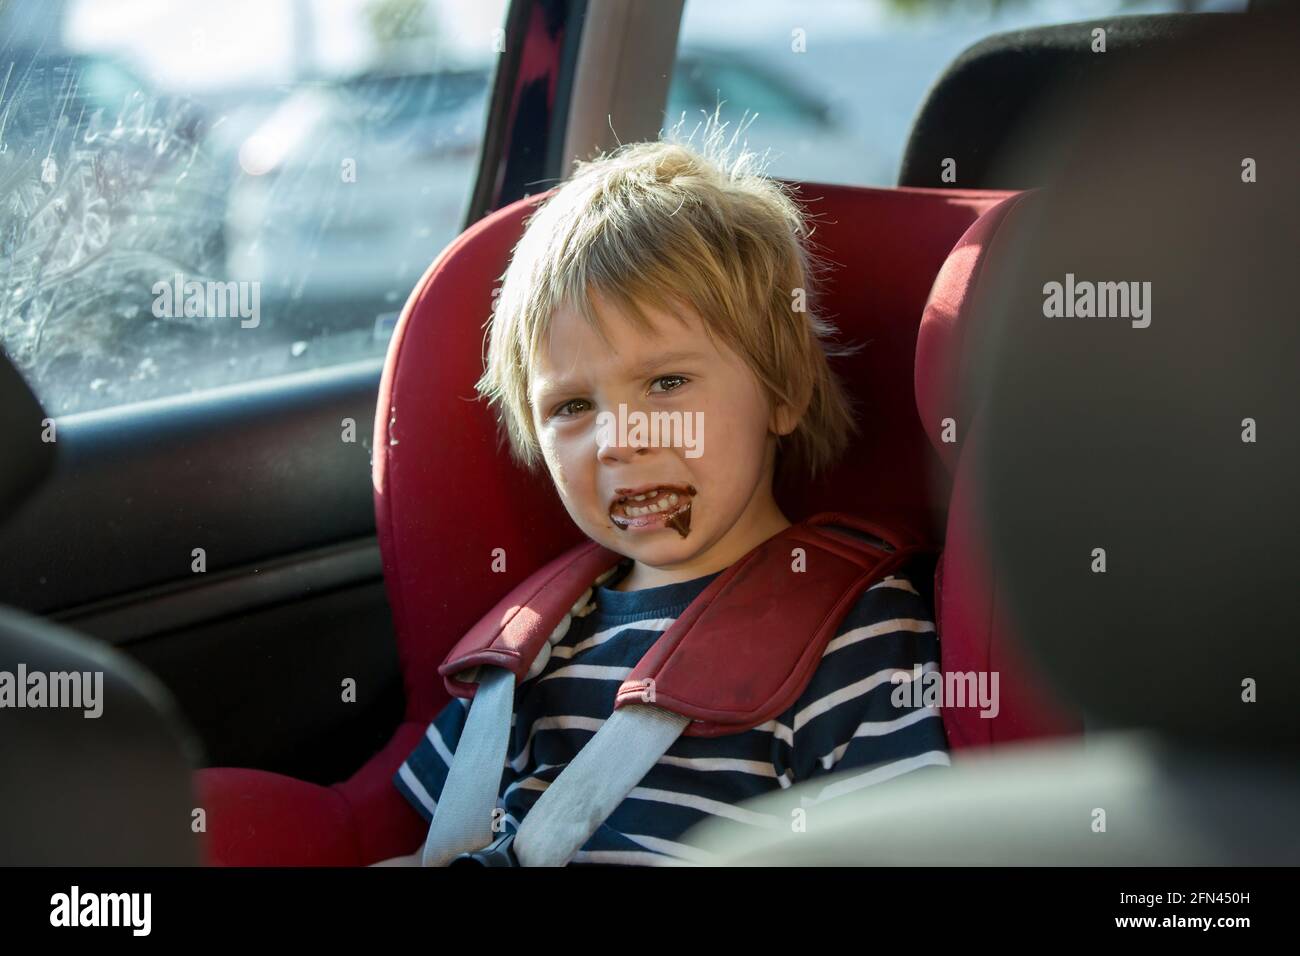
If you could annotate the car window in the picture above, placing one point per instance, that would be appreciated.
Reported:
(700, 75)
(836, 84)
(196, 194)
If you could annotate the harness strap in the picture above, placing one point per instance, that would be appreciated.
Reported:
(572, 808)
(462, 821)
(595, 782)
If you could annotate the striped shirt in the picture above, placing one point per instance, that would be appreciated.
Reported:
(844, 724)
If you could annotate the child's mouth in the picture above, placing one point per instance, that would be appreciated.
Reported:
(653, 507)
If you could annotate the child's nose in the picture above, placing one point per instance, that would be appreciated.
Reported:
(618, 438)
(617, 451)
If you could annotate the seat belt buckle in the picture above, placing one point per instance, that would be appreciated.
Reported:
(500, 852)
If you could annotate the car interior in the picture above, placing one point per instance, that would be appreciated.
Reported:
(270, 566)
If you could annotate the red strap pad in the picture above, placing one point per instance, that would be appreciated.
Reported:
(513, 632)
(744, 651)
(739, 655)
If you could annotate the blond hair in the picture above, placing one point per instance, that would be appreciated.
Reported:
(660, 224)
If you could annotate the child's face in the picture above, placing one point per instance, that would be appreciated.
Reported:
(718, 463)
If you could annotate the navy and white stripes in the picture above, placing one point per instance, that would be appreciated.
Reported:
(844, 721)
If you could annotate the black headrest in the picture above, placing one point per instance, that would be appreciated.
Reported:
(1139, 464)
(96, 765)
(27, 457)
(1001, 86)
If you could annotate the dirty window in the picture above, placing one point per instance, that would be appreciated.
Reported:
(195, 194)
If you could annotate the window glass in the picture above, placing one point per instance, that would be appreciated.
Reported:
(837, 83)
(198, 193)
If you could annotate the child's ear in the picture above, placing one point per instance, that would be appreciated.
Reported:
(784, 420)
(786, 416)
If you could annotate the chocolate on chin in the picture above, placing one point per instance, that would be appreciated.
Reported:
(681, 522)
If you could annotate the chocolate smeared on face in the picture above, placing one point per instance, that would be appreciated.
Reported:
(681, 521)
(677, 516)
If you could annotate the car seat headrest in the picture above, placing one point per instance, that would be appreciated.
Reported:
(979, 111)
(1137, 464)
(947, 347)
(105, 777)
(28, 459)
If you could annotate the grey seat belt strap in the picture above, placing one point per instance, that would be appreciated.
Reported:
(595, 782)
(462, 820)
(572, 808)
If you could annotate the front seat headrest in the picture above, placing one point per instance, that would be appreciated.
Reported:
(997, 93)
(28, 459)
(1137, 460)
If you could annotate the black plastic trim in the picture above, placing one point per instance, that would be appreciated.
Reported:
(248, 472)
(172, 607)
(523, 143)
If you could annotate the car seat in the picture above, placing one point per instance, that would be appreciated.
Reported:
(446, 494)
(977, 636)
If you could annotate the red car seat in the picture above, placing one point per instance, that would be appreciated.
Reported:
(446, 495)
(976, 636)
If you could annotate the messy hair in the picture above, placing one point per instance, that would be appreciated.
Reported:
(664, 224)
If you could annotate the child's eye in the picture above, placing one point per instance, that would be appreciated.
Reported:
(561, 410)
(576, 406)
(680, 380)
